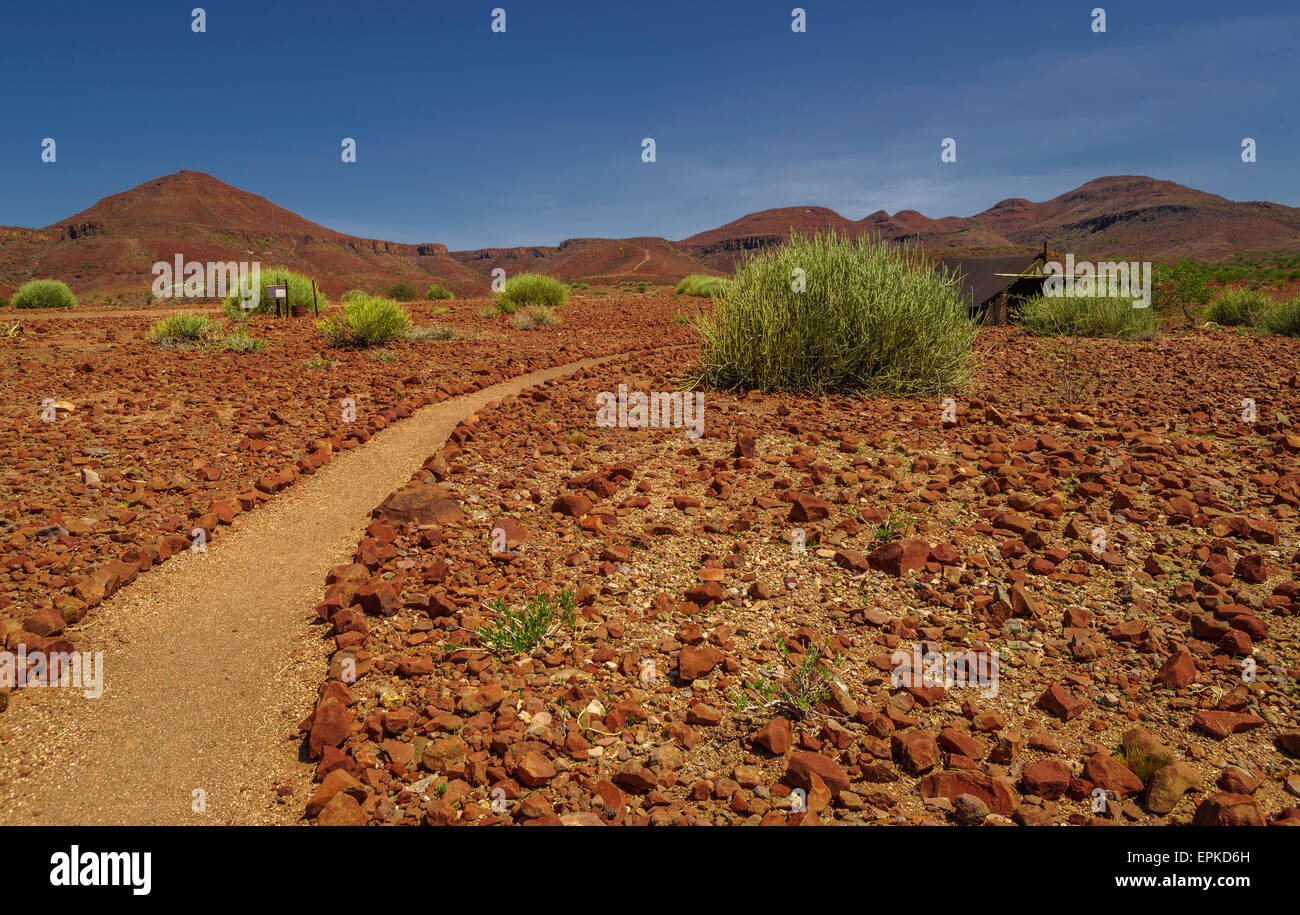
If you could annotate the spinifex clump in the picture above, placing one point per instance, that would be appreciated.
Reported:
(825, 314)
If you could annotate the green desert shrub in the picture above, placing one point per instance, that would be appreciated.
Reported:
(367, 322)
(438, 291)
(872, 316)
(512, 632)
(241, 341)
(535, 316)
(1283, 319)
(1237, 307)
(44, 294)
(299, 292)
(700, 284)
(526, 289)
(353, 295)
(402, 291)
(180, 331)
(1086, 316)
(4, 303)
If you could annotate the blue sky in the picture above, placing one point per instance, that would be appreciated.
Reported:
(477, 139)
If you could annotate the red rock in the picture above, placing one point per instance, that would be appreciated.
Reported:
(511, 532)
(534, 769)
(1251, 568)
(898, 557)
(695, 661)
(998, 794)
(1289, 743)
(1062, 703)
(484, 699)
(336, 781)
(777, 736)
(915, 751)
(954, 741)
(804, 508)
(805, 763)
(1178, 670)
(426, 503)
(636, 778)
(44, 622)
(1110, 773)
(1228, 810)
(1220, 724)
(575, 505)
(852, 559)
(706, 593)
(342, 810)
(1047, 778)
(331, 725)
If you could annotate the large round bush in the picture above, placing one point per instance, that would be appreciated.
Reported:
(823, 314)
(44, 294)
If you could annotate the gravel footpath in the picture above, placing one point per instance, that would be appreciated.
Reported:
(210, 661)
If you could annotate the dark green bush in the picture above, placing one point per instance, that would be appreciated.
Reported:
(402, 291)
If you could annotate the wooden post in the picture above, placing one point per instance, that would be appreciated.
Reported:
(315, 306)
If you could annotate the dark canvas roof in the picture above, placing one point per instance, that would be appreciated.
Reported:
(979, 275)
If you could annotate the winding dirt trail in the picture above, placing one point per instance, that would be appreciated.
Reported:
(210, 661)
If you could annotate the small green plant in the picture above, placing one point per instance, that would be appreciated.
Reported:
(382, 355)
(524, 289)
(1141, 761)
(1283, 319)
(516, 631)
(401, 291)
(438, 291)
(892, 526)
(1180, 285)
(489, 311)
(1238, 308)
(680, 318)
(534, 316)
(433, 332)
(181, 331)
(241, 341)
(44, 294)
(366, 322)
(1086, 316)
(354, 295)
(319, 362)
(4, 303)
(798, 695)
(700, 284)
(579, 286)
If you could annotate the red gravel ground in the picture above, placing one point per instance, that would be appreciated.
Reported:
(1093, 519)
(154, 443)
(1096, 519)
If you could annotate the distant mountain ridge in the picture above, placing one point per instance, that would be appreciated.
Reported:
(112, 245)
